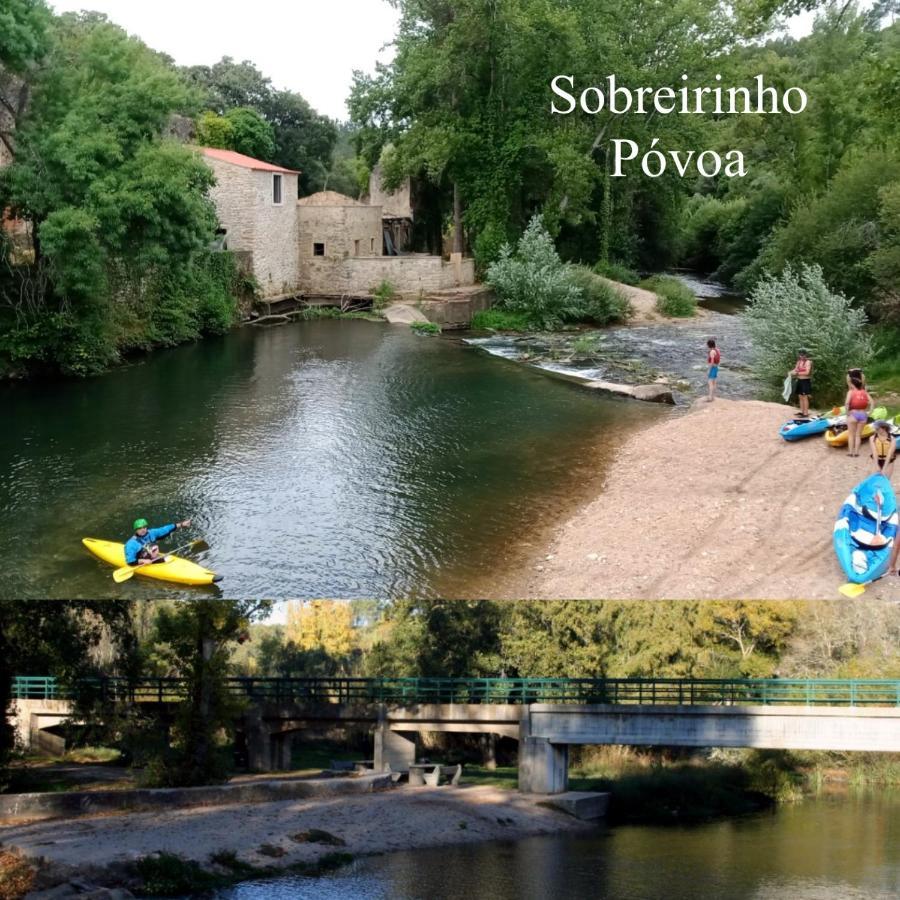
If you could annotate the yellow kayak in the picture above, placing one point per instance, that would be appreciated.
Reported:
(175, 569)
(839, 436)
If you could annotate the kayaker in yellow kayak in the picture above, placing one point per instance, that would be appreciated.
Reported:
(141, 548)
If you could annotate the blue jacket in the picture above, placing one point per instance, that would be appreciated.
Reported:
(135, 544)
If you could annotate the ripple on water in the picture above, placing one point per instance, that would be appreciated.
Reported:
(338, 459)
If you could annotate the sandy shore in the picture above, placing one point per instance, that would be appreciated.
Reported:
(711, 504)
(397, 819)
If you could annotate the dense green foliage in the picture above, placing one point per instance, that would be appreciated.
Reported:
(465, 102)
(463, 107)
(69, 641)
(533, 281)
(823, 186)
(23, 33)
(797, 311)
(499, 320)
(120, 217)
(673, 298)
(241, 129)
(540, 291)
(601, 303)
(617, 272)
(303, 139)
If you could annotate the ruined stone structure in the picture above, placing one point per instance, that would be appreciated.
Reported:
(326, 244)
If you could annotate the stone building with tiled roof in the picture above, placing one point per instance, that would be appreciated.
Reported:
(326, 244)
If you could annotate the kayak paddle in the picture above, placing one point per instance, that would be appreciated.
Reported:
(125, 572)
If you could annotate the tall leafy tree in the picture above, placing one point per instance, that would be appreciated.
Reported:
(24, 39)
(110, 202)
(304, 139)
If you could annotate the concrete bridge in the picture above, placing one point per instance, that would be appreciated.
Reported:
(546, 716)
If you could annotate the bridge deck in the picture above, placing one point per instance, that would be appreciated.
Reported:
(407, 691)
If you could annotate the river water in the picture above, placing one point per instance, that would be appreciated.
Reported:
(330, 458)
(838, 849)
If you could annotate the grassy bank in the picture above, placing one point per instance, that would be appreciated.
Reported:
(659, 786)
(883, 374)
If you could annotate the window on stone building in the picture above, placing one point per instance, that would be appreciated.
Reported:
(371, 245)
(356, 248)
(276, 189)
(318, 249)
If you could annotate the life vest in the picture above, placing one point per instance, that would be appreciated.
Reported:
(859, 398)
(714, 356)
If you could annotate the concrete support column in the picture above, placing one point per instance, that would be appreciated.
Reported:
(543, 767)
(282, 744)
(393, 749)
(259, 743)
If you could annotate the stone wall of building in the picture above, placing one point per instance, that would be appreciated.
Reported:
(234, 194)
(408, 274)
(275, 260)
(256, 225)
(344, 230)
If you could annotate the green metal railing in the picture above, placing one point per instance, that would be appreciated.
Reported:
(621, 691)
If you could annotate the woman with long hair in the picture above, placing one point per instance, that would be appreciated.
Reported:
(858, 403)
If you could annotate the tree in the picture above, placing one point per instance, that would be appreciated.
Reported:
(797, 310)
(464, 104)
(451, 638)
(60, 639)
(24, 40)
(192, 639)
(753, 634)
(111, 204)
(241, 129)
(533, 281)
(304, 140)
(325, 625)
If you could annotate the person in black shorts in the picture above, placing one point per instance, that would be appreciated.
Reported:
(803, 372)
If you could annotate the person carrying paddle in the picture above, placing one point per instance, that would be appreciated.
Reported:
(857, 403)
(141, 548)
(713, 358)
(884, 448)
(803, 373)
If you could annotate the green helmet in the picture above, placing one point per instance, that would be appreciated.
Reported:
(141, 523)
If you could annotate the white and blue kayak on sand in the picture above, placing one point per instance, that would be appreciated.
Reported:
(806, 426)
(866, 529)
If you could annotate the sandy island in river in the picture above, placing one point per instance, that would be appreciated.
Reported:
(396, 819)
(712, 504)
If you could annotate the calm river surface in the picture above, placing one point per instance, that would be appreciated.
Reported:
(331, 458)
(818, 850)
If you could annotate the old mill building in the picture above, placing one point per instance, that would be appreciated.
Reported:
(326, 244)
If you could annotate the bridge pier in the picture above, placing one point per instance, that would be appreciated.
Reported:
(394, 750)
(268, 750)
(543, 766)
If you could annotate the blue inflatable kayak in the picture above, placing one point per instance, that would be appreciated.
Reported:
(799, 428)
(866, 529)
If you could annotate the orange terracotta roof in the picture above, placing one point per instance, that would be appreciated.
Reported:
(245, 162)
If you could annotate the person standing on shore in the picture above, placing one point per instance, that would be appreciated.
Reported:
(713, 358)
(857, 403)
(803, 371)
